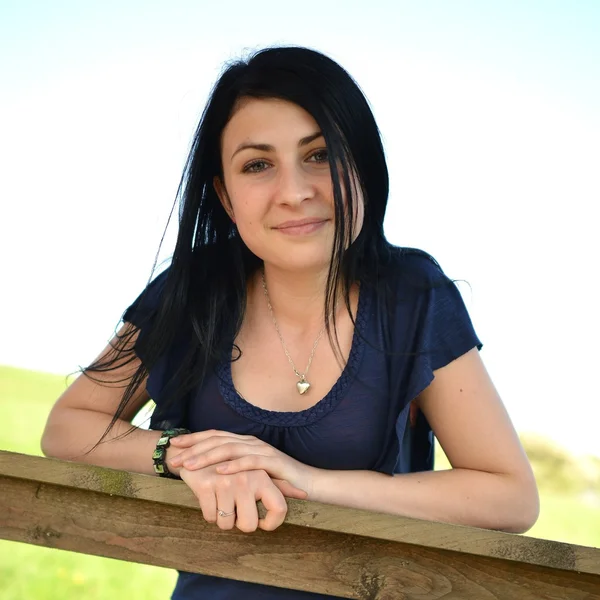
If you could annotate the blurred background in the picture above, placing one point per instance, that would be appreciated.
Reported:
(490, 116)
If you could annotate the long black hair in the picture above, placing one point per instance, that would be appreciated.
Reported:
(204, 294)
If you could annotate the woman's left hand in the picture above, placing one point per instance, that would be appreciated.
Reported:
(239, 453)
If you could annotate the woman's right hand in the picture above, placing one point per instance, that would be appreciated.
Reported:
(240, 492)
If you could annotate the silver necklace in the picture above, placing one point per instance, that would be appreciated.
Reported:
(302, 386)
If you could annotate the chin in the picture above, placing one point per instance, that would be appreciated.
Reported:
(289, 255)
(297, 261)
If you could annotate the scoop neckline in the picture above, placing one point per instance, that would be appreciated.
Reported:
(325, 405)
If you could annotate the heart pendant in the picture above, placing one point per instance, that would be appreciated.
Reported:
(302, 386)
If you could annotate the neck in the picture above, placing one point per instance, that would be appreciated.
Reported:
(297, 298)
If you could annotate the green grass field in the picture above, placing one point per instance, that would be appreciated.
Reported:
(35, 573)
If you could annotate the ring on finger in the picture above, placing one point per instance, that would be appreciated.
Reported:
(224, 514)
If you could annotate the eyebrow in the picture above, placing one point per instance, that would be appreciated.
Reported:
(268, 148)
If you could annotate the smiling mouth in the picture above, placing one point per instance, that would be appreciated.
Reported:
(299, 223)
(301, 226)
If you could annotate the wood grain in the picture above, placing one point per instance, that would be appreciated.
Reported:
(290, 557)
(320, 548)
(470, 540)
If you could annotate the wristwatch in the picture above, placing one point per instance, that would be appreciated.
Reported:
(160, 453)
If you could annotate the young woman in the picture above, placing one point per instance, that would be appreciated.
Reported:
(306, 356)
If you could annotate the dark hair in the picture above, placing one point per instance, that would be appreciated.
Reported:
(204, 292)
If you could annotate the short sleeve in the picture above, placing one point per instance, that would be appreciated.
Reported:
(142, 311)
(144, 307)
(431, 328)
(447, 330)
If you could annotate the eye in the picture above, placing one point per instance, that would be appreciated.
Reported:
(255, 167)
(320, 156)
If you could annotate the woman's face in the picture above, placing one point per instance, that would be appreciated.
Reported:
(277, 184)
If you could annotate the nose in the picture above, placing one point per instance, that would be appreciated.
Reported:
(294, 185)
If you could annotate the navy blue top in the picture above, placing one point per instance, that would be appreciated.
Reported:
(363, 422)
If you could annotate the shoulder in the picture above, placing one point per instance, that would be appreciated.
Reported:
(157, 282)
(145, 305)
(421, 303)
(417, 262)
(412, 269)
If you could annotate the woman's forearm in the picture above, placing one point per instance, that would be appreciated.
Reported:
(71, 433)
(460, 496)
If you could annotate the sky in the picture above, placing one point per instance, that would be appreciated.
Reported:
(490, 117)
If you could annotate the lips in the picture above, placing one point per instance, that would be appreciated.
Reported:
(299, 223)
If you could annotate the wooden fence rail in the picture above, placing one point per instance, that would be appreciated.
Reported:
(320, 548)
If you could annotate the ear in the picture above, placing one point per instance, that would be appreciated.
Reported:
(223, 197)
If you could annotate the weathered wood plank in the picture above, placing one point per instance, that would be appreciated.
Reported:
(304, 558)
(469, 540)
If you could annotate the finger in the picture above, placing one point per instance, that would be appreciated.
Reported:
(265, 463)
(249, 462)
(201, 456)
(276, 507)
(255, 463)
(208, 505)
(289, 490)
(192, 453)
(247, 511)
(205, 494)
(189, 439)
(225, 503)
(216, 450)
